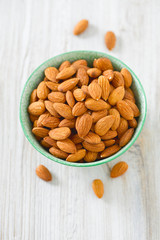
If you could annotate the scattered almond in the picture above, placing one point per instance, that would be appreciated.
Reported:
(43, 173)
(80, 27)
(110, 40)
(98, 188)
(119, 169)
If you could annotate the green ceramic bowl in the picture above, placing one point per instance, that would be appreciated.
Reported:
(38, 75)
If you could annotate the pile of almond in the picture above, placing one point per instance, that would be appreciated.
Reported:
(82, 113)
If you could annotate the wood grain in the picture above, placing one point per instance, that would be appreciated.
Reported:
(66, 208)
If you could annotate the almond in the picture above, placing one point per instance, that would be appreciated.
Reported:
(127, 77)
(125, 110)
(123, 126)
(109, 135)
(50, 122)
(129, 95)
(79, 63)
(116, 123)
(79, 94)
(66, 73)
(80, 154)
(105, 86)
(118, 79)
(36, 108)
(84, 125)
(110, 151)
(50, 108)
(98, 188)
(116, 95)
(109, 143)
(95, 90)
(33, 117)
(58, 153)
(79, 109)
(64, 64)
(92, 138)
(82, 76)
(99, 147)
(44, 144)
(98, 115)
(80, 27)
(52, 85)
(68, 85)
(76, 139)
(104, 124)
(96, 105)
(111, 88)
(67, 123)
(40, 132)
(119, 169)
(79, 146)
(41, 118)
(110, 40)
(33, 97)
(132, 123)
(70, 99)
(103, 64)
(90, 156)
(50, 141)
(42, 91)
(109, 74)
(43, 173)
(126, 137)
(67, 146)
(57, 97)
(134, 107)
(64, 110)
(60, 133)
(35, 123)
(51, 73)
(94, 72)
(85, 90)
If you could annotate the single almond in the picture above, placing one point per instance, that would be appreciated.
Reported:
(58, 153)
(67, 123)
(82, 76)
(79, 109)
(98, 188)
(40, 132)
(70, 99)
(110, 40)
(104, 124)
(44, 144)
(79, 94)
(79, 63)
(60, 133)
(123, 127)
(95, 90)
(42, 91)
(134, 107)
(35, 123)
(50, 141)
(90, 156)
(109, 74)
(125, 110)
(68, 85)
(126, 137)
(105, 86)
(92, 138)
(96, 105)
(52, 85)
(128, 95)
(50, 122)
(94, 72)
(98, 115)
(116, 123)
(64, 64)
(110, 151)
(41, 118)
(76, 139)
(43, 173)
(80, 154)
(116, 95)
(67, 146)
(118, 79)
(103, 64)
(57, 97)
(119, 169)
(127, 77)
(36, 108)
(80, 27)
(133, 123)
(66, 73)
(33, 97)
(84, 125)
(50, 108)
(51, 73)
(99, 147)
(109, 135)
(64, 110)
(109, 143)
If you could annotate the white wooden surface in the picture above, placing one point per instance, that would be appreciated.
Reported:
(30, 33)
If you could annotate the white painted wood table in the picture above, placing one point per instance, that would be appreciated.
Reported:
(31, 32)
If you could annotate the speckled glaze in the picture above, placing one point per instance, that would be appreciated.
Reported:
(37, 76)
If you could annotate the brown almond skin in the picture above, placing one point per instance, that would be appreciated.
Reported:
(94, 147)
(79, 146)
(118, 169)
(126, 137)
(80, 27)
(51, 73)
(42, 91)
(116, 123)
(133, 123)
(125, 110)
(70, 99)
(82, 76)
(64, 110)
(98, 188)
(118, 79)
(92, 138)
(35, 123)
(33, 117)
(75, 157)
(116, 95)
(79, 109)
(60, 133)
(90, 156)
(76, 139)
(57, 97)
(98, 115)
(36, 108)
(94, 72)
(109, 143)
(109, 135)
(44, 144)
(67, 123)
(128, 95)
(110, 151)
(85, 90)
(104, 124)
(43, 173)
(33, 97)
(96, 105)
(134, 107)
(66, 73)
(41, 118)
(50, 122)
(123, 127)
(95, 90)
(110, 40)
(58, 153)
(105, 86)
(52, 86)
(68, 85)
(50, 108)
(50, 141)
(84, 125)
(79, 63)
(79, 95)
(109, 74)
(40, 132)
(67, 146)
(103, 64)
(127, 77)
(64, 65)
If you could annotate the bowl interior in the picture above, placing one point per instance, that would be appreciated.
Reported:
(38, 75)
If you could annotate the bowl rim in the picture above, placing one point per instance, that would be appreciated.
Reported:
(96, 163)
